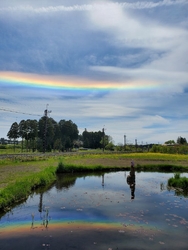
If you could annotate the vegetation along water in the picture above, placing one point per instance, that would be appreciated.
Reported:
(20, 174)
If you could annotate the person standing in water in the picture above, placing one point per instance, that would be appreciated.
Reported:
(132, 172)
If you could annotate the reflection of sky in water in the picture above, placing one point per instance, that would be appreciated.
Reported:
(107, 200)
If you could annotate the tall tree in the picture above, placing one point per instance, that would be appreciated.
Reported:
(21, 128)
(33, 132)
(181, 140)
(69, 133)
(92, 139)
(13, 132)
(46, 133)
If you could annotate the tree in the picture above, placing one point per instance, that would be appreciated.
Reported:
(181, 140)
(92, 139)
(110, 146)
(58, 144)
(45, 133)
(21, 128)
(69, 133)
(33, 132)
(28, 130)
(170, 142)
(13, 132)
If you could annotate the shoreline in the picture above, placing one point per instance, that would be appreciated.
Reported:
(20, 176)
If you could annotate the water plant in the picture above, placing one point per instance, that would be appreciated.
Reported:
(178, 181)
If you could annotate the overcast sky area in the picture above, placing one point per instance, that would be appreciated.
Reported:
(118, 65)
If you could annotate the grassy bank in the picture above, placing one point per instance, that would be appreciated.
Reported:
(118, 161)
(23, 186)
(20, 174)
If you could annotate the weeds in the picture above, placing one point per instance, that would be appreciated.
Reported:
(60, 167)
(178, 182)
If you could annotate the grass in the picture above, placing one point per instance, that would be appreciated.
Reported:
(118, 161)
(22, 187)
(20, 174)
(178, 182)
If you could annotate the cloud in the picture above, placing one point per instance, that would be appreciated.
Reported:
(46, 10)
(148, 78)
(89, 7)
(131, 30)
(139, 47)
(104, 36)
(150, 4)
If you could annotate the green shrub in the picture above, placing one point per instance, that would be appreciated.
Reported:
(177, 176)
(178, 182)
(61, 167)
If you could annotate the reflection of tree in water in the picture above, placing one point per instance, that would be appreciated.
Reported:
(178, 191)
(65, 181)
(44, 213)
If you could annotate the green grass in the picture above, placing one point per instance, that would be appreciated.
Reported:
(20, 174)
(165, 167)
(178, 182)
(22, 187)
(62, 168)
(136, 156)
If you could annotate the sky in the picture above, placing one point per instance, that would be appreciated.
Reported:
(117, 65)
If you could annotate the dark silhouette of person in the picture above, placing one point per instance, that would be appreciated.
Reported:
(131, 180)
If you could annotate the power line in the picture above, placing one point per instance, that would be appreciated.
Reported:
(18, 112)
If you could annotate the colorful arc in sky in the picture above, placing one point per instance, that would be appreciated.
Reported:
(69, 83)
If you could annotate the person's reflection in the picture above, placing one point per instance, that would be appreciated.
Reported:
(131, 180)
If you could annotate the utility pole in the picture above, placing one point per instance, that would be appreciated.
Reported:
(136, 144)
(103, 139)
(46, 112)
(124, 142)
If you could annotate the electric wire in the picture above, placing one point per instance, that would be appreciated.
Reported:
(18, 112)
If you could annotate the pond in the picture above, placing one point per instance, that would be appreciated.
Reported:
(99, 211)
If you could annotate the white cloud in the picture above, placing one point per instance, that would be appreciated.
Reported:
(150, 5)
(148, 78)
(130, 30)
(31, 6)
(151, 106)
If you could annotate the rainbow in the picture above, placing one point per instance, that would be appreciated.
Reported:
(25, 227)
(68, 83)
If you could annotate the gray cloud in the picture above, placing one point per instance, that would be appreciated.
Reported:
(30, 6)
(139, 44)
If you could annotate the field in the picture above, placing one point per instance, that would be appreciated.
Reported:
(21, 173)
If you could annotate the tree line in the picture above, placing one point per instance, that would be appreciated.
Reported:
(46, 135)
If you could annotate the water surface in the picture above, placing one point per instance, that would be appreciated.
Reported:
(99, 211)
